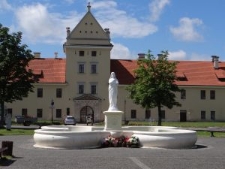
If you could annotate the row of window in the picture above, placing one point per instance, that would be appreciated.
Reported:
(81, 88)
(133, 113)
(212, 115)
(40, 112)
(58, 92)
(93, 67)
(212, 94)
(82, 53)
(148, 114)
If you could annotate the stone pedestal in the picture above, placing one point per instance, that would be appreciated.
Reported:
(113, 120)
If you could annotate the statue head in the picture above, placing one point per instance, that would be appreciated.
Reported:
(113, 75)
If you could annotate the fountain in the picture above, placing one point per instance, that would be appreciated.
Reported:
(81, 137)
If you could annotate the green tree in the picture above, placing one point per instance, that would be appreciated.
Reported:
(15, 77)
(154, 84)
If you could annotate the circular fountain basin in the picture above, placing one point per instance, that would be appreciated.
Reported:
(165, 137)
(65, 138)
(80, 137)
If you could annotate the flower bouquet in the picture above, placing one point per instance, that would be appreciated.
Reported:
(121, 141)
(133, 142)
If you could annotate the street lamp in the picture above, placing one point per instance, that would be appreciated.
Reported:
(52, 107)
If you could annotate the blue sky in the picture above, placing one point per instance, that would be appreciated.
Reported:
(188, 29)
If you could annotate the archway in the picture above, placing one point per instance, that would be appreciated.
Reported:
(86, 110)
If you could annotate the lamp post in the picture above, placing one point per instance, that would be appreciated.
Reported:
(52, 107)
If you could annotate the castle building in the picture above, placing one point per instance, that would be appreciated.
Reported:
(78, 84)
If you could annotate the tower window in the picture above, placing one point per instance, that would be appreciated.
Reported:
(81, 68)
(81, 88)
(81, 53)
(93, 53)
(93, 89)
(93, 68)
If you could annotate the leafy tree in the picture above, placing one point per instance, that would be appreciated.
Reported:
(15, 77)
(154, 83)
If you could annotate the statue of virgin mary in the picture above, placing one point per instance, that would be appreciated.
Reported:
(113, 91)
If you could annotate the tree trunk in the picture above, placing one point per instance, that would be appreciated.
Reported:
(159, 115)
(2, 114)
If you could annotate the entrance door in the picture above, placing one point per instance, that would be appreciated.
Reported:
(85, 111)
(183, 115)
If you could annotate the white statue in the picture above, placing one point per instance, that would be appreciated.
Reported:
(113, 90)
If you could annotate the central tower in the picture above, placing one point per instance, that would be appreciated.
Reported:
(87, 50)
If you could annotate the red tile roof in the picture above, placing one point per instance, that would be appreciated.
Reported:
(191, 73)
(52, 70)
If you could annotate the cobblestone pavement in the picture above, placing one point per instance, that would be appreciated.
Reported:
(208, 154)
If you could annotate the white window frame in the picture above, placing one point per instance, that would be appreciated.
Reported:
(78, 87)
(81, 70)
(96, 67)
(96, 87)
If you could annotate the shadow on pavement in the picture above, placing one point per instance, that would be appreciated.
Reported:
(199, 146)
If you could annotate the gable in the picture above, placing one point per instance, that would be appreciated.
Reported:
(89, 32)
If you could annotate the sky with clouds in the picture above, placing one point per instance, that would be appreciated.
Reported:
(188, 29)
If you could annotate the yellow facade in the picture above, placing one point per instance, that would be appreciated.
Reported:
(87, 48)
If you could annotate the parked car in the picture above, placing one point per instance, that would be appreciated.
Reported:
(70, 120)
(25, 120)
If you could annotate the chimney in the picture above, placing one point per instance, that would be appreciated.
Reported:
(37, 54)
(68, 31)
(56, 54)
(160, 55)
(141, 55)
(107, 32)
(215, 60)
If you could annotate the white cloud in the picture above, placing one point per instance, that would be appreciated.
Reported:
(104, 4)
(177, 55)
(39, 25)
(4, 5)
(119, 22)
(120, 51)
(187, 29)
(182, 55)
(69, 1)
(156, 8)
(200, 57)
